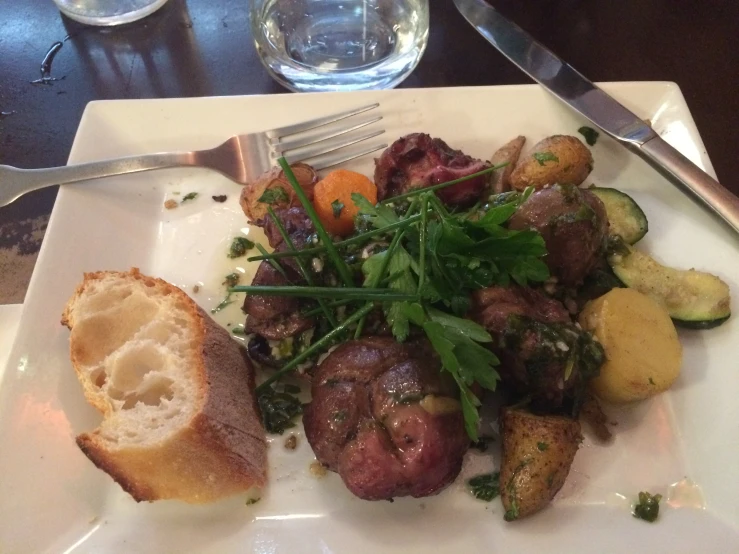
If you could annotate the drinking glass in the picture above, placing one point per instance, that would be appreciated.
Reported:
(108, 12)
(319, 45)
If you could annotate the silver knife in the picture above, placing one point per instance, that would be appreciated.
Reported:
(573, 88)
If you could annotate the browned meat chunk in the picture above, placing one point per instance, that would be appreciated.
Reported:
(418, 161)
(542, 353)
(278, 317)
(574, 225)
(385, 419)
(297, 224)
(274, 317)
(493, 306)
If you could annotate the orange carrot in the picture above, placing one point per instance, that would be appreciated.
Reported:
(332, 198)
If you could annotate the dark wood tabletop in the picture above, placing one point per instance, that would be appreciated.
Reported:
(204, 48)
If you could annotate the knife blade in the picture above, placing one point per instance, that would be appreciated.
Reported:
(577, 91)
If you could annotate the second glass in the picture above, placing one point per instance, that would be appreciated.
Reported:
(320, 45)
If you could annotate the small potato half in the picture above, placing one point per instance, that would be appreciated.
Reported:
(643, 352)
(275, 180)
(508, 153)
(537, 455)
(559, 159)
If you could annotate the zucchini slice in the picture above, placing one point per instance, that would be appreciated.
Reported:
(693, 299)
(626, 218)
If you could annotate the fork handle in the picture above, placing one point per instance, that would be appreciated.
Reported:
(15, 182)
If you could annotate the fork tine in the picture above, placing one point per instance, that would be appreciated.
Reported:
(314, 151)
(341, 157)
(285, 146)
(314, 123)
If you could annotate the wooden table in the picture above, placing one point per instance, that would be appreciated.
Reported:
(203, 48)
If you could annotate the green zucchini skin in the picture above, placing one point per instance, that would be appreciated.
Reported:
(700, 325)
(694, 299)
(625, 217)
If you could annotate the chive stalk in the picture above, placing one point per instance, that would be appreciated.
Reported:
(333, 254)
(352, 293)
(443, 185)
(348, 242)
(283, 232)
(316, 346)
(422, 244)
(273, 263)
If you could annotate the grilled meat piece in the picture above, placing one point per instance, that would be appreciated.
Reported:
(297, 224)
(574, 225)
(385, 419)
(542, 353)
(418, 161)
(278, 317)
(274, 317)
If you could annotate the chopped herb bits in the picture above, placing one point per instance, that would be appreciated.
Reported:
(336, 207)
(232, 279)
(239, 247)
(276, 195)
(648, 507)
(486, 486)
(542, 157)
(590, 135)
(190, 196)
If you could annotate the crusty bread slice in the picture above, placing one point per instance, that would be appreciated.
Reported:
(176, 391)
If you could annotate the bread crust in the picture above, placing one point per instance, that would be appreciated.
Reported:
(221, 451)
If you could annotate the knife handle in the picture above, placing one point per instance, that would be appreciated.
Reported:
(679, 169)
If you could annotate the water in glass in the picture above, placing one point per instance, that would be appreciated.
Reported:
(317, 45)
(108, 12)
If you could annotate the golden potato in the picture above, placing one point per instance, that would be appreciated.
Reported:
(509, 152)
(643, 352)
(537, 455)
(559, 159)
(283, 195)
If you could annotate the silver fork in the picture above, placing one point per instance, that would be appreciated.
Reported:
(242, 158)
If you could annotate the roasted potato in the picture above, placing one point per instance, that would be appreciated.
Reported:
(537, 454)
(559, 159)
(509, 152)
(283, 195)
(643, 352)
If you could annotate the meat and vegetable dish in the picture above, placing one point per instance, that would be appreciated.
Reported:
(409, 299)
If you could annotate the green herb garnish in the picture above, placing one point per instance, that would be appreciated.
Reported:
(190, 196)
(276, 195)
(278, 409)
(542, 446)
(232, 279)
(239, 247)
(590, 134)
(333, 255)
(428, 263)
(225, 302)
(352, 293)
(320, 345)
(486, 486)
(306, 274)
(542, 157)
(336, 207)
(251, 501)
(239, 330)
(648, 507)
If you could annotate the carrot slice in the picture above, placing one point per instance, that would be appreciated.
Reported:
(332, 198)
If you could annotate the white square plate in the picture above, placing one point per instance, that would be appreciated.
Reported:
(683, 444)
